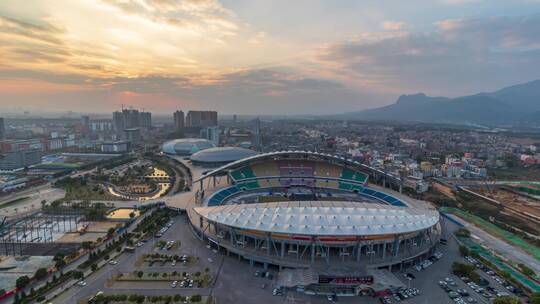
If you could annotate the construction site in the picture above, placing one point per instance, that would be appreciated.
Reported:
(47, 233)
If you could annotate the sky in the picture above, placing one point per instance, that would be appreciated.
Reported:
(259, 56)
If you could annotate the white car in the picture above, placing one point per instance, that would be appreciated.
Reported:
(174, 283)
(113, 262)
(81, 283)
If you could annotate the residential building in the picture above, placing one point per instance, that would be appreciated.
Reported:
(201, 119)
(179, 121)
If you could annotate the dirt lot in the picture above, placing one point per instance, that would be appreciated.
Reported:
(516, 201)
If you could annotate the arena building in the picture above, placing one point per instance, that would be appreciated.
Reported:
(316, 216)
(185, 146)
(218, 156)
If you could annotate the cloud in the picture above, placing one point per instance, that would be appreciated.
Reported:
(43, 32)
(461, 55)
(393, 26)
(245, 91)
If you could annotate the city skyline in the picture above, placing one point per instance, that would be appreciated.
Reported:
(245, 57)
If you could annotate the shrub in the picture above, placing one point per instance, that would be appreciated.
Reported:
(463, 232)
(526, 270)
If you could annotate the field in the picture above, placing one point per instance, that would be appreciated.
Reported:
(515, 201)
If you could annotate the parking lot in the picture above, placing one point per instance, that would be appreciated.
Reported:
(235, 281)
(437, 284)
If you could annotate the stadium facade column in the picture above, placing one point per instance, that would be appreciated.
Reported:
(359, 253)
(268, 249)
(312, 252)
(384, 251)
(214, 180)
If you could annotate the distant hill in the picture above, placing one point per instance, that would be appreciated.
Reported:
(510, 105)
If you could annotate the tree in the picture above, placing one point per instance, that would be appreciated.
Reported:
(110, 232)
(22, 282)
(506, 300)
(464, 250)
(461, 269)
(94, 267)
(79, 275)
(535, 298)
(40, 273)
(86, 245)
(59, 260)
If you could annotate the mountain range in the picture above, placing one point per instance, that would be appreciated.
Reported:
(518, 104)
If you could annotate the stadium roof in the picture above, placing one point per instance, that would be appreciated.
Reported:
(322, 218)
(221, 155)
(269, 155)
(186, 146)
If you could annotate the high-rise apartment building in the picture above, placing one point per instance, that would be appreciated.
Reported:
(2, 128)
(145, 119)
(179, 122)
(201, 119)
(85, 121)
(129, 118)
(257, 133)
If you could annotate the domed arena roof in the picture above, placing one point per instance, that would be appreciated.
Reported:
(220, 155)
(186, 146)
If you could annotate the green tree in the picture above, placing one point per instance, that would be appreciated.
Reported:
(59, 260)
(464, 250)
(506, 300)
(22, 282)
(40, 273)
(79, 275)
(94, 267)
(110, 232)
(535, 298)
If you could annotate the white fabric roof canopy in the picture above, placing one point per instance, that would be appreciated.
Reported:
(322, 217)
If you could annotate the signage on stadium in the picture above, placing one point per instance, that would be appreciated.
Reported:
(364, 280)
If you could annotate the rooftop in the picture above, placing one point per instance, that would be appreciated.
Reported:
(322, 217)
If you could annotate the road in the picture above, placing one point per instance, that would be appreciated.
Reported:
(510, 252)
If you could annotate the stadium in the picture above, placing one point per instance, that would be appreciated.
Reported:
(218, 156)
(185, 146)
(313, 213)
